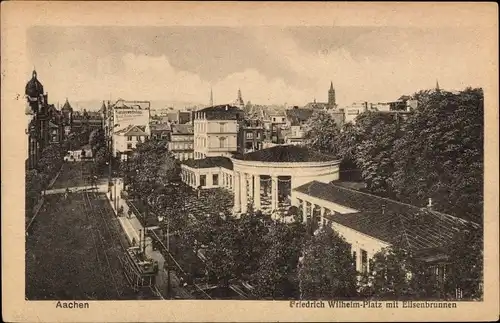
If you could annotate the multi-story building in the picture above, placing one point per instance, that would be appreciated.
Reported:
(46, 124)
(181, 141)
(216, 131)
(250, 136)
(160, 131)
(125, 140)
(398, 108)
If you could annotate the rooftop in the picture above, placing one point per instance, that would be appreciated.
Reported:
(159, 127)
(222, 112)
(389, 220)
(296, 116)
(132, 130)
(209, 162)
(286, 154)
(186, 129)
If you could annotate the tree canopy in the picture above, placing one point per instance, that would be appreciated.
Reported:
(327, 270)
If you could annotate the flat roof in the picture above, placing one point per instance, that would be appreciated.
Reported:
(286, 154)
(209, 162)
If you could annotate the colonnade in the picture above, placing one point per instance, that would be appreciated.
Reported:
(249, 185)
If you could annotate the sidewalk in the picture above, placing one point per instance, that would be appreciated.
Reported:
(75, 189)
(131, 226)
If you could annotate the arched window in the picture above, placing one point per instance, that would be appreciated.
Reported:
(222, 142)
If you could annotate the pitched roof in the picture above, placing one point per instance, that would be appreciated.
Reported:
(286, 154)
(182, 129)
(159, 127)
(316, 105)
(209, 162)
(132, 130)
(388, 220)
(297, 116)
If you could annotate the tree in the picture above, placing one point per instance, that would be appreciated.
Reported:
(327, 270)
(151, 166)
(101, 158)
(51, 160)
(222, 258)
(322, 132)
(442, 145)
(389, 276)
(276, 274)
(97, 140)
(466, 264)
(376, 136)
(35, 182)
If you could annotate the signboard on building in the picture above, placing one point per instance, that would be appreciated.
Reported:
(131, 116)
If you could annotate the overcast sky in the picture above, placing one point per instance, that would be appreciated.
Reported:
(269, 64)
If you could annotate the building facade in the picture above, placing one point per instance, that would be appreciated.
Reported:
(216, 131)
(45, 123)
(250, 136)
(126, 140)
(181, 142)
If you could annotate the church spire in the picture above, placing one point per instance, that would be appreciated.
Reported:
(331, 86)
(211, 97)
(437, 85)
(239, 100)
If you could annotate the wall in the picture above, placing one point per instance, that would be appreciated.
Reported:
(360, 241)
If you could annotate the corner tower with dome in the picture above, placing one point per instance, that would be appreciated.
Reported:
(38, 121)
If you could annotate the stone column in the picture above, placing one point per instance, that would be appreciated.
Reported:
(274, 193)
(322, 213)
(304, 211)
(237, 198)
(256, 191)
(358, 259)
(243, 192)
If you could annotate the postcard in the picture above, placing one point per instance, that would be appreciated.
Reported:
(245, 161)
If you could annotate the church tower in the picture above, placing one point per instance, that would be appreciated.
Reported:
(331, 97)
(239, 101)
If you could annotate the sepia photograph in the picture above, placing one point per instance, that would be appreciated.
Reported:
(337, 166)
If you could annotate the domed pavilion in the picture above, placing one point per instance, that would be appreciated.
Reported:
(267, 177)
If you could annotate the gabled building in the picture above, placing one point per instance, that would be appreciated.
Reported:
(126, 140)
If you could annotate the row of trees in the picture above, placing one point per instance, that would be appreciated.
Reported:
(100, 150)
(436, 153)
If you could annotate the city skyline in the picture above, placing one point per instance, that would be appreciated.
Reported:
(270, 65)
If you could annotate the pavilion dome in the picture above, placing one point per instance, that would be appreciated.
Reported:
(34, 88)
(286, 154)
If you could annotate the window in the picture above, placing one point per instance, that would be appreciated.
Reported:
(222, 142)
(258, 135)
(222, 127)
(354, 255)
(203, 180)
(274, 119)
(364, 261)
(129, 138)
(249, 135)
(129, 146)
(215, 179)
